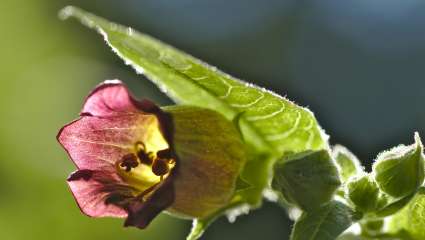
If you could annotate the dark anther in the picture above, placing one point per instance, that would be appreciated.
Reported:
(165, 153)
(129, 161)
(144, 157)
(160, 167)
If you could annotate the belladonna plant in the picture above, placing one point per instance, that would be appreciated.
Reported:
(225, 147)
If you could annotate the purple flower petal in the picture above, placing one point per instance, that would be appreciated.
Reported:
(111, 126)
(98, 143)
(110, 98)
(89, 190)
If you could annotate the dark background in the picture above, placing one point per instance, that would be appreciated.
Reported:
(357, 64)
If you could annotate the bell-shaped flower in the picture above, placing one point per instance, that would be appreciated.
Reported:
(136, 160)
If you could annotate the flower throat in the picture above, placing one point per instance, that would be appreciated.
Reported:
(145, 170)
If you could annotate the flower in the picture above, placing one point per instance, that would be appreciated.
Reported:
(135, 160)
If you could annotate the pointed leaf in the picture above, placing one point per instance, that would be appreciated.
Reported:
(278, 122)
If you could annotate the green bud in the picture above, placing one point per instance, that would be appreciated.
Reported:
(400, 171)
(308, 179)
(211, 155)
(363, 193)
(348, 164)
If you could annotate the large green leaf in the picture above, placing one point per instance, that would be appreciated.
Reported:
(270, 124)
(325, 223)
(277, 122)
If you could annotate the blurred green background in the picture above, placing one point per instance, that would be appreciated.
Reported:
(358, 64)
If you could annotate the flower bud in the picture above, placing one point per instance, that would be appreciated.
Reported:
(363, 193)
(400, 171)
(308, 179)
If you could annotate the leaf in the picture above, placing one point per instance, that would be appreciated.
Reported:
(363, 193)
(400, 171)
(278, 122)
(326, 223)
(307, 180)
(411, 218)
(348, 164)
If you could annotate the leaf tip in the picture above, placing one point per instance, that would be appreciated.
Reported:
(84, 17)
(418, 140)
(67, 12)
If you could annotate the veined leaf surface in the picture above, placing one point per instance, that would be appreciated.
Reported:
(277, 122)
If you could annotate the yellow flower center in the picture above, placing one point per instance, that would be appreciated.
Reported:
(148, 163)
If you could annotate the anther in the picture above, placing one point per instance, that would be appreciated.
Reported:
(160, 167)
(129, 161)
(144, 157)
(165, 153)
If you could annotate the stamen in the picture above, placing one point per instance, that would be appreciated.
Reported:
(165, 153)
(144, 158)
(160, 167)
(129, 161)
(140, 146)
(142, 195)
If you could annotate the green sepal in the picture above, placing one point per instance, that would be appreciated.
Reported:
(399, 172)
(324, 223)
(307, 180)
(348, 164)
(241, 184)
(363, 193)
(211, 156)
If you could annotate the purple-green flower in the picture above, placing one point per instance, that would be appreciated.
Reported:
(135, 160)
